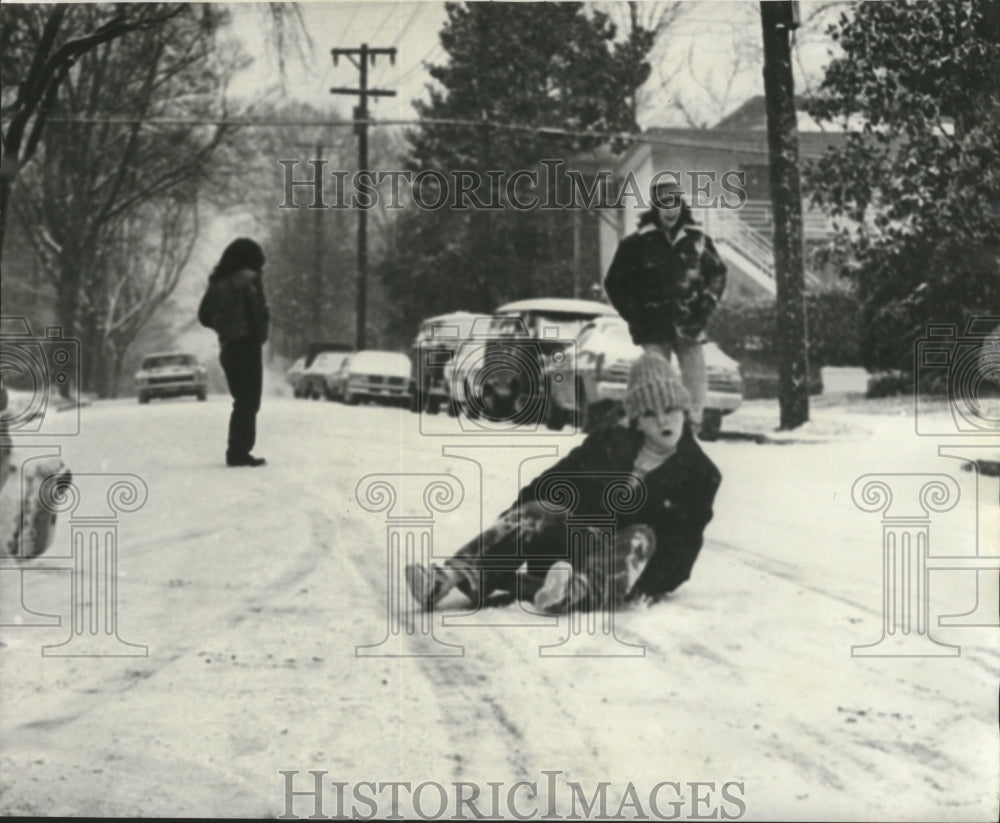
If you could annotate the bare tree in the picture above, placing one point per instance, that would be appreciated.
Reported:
(150, 252)
(702, 91)
(45, 41)
(107, 175)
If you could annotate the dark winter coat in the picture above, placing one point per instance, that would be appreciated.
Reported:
(666, 287)
(234, 306)
(678, 504)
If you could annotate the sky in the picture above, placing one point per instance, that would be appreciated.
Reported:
(708, 61)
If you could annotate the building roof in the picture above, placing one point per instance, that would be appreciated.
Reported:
(751, 115)
(811, 144)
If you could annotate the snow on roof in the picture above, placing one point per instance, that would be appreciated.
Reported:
(455, 315)
(558, 305)
(169, 354)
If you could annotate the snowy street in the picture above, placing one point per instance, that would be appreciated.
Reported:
(252, 589)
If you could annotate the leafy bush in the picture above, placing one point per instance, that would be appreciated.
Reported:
(744, 329)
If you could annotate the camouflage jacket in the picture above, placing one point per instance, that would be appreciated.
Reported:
(666, 288)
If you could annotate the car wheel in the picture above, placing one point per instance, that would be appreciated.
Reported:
(143, 397)
(555, 415)
(711, 425)
(555, 419)
(471, 411)
(432, 405)
(350, 398)
(582, 410)
(202, 396)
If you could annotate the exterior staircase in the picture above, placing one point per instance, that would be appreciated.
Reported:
(743, 241)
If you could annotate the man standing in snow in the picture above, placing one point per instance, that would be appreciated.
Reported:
(235, 308)
(656, 545)
(665, 281)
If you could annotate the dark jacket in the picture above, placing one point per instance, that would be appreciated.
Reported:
(665, 288)
(678, 504)
(234, 306)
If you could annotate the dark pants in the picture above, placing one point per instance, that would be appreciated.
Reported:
(533, 537)
(241, 360)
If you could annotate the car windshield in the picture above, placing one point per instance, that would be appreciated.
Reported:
(381, 362)
(447, 330)
(507, 324)
(329, 360)
(162, 360)
(617, 333)
(568, 325)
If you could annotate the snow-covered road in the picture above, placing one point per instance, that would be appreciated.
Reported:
(253, 588)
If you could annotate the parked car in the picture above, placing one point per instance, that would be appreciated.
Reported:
(313, 383)
(432, 354)
(336, 381)
(377, 375)
(171, 374)
(500, 372)
(312, 386)
(294, 375)
(587, 383)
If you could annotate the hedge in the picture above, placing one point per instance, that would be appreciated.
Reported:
(744, 329)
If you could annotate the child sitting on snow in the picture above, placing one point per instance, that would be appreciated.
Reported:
(656, 545)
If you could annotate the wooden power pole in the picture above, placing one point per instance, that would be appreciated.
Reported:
(778, 19)
(365, 57)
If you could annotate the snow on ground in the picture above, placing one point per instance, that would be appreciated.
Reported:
(252, 589)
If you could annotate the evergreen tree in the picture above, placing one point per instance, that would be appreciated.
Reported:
(514, 70)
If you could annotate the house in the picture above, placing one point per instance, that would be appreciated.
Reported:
(725, 172)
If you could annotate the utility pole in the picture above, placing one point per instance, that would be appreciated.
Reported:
(318, 261)
(778, 19)
(365, 56)
(577, 249)
(485, 227)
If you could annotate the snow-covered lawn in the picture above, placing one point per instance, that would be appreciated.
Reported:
(252, 588)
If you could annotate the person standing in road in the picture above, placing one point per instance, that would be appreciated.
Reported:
(234, 307)
(665, 281)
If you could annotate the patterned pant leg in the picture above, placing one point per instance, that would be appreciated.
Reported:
(611, 579)
(491, 561)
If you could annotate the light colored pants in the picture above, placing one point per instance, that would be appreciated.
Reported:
(691, 361)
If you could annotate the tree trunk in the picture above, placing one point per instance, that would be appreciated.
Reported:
(786, 199)
(6, 189)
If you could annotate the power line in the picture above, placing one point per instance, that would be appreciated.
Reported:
(350, 19)
(418, 7)
(378, 31)
(631, 137)
(420, 64)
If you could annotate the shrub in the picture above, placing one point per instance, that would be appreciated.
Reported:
(744, 329)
